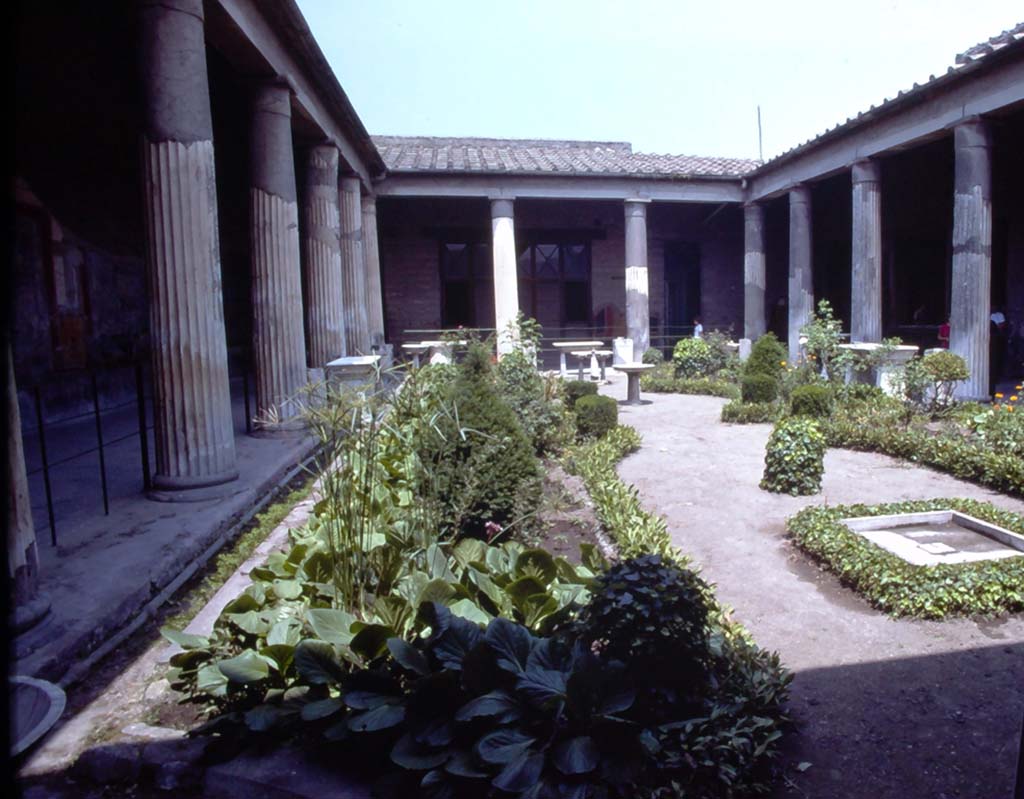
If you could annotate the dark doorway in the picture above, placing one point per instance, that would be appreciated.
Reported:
(682, 285)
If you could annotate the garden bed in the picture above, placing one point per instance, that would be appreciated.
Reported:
(900, 588)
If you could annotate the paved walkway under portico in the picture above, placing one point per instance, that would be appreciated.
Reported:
(885, 708)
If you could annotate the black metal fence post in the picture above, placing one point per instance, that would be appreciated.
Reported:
(46, 467)
(140, 398)
(99, 441)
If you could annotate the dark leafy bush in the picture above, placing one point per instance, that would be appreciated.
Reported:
(737, 412)
(891, 584)
(722, 355)
(858, 392)
(759, 388)
(945, 369)
(596, 415)
(654, 356)
(794, 457)
(575, 389)
(811, 400)
(767, 357)
(693, 358)
(653, 616)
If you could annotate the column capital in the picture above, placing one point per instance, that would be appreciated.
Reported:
(800, 194)
(502, 209)
(753, 212)
(866, 170)
(972, 132)
(636, 207)
(370, 204)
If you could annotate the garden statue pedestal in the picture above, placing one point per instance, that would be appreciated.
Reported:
(623, 351)
(633, 372)
(353, 371)
(883, 374)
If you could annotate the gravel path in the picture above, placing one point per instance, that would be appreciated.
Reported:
(885, 708)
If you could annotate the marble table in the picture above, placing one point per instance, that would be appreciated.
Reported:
(564, 346)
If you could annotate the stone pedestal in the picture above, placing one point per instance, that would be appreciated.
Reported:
(866, 271)
(622, 351)
(353, 372)
(745, 346)
(506, 280)
(638, 326)
(883, 374)
(371, 255)
(195, 443)
(353, 267)
(753, 271)
(321, 246)
(801, 282)
(278, 341)
(972, 256)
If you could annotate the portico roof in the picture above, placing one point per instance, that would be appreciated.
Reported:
(433, 155)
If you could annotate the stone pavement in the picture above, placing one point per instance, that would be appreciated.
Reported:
(885, 708)
(107, 573)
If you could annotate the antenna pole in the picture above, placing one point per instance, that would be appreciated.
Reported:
(760, 147)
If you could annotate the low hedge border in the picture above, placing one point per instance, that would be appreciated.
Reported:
(900, 589)
(660, 384)
(737, 412)
(1004, 473)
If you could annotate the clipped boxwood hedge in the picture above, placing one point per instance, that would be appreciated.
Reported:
(737, 412)
(577, 389)
(596, 415)
(658, 383)
(759, 388)
(811, 400)
(899, 588)
(793, 461)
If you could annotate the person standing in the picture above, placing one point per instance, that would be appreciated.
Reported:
(944, 335)
(698, 328)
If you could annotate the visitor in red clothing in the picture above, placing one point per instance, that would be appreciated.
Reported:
(944, 335)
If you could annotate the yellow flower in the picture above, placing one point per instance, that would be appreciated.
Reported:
(1018, 387)
(1013, 398)
(1009, 408)
(998, 395)
(782, 363)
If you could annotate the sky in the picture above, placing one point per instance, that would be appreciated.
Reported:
(670, 76)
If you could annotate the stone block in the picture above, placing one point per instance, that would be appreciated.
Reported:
(110, 763)
(284, 773)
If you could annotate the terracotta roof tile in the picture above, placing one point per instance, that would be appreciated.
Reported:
(540, 157)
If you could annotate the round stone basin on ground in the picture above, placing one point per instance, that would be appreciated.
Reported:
(35, 705)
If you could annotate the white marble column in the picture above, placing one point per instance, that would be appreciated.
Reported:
(325, 324)
(506, 277)
(753, 271)
(866, 267)
(972, 255)
(195, 443)
(638, 320)
(801, 279)
(353, 267)
(278, 341)
(371, 255)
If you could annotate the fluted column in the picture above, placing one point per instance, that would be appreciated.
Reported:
(353, 267)
(278, 340)
(325, 324)
(801, 280)
(638, 318)
(22, 555)
(866, 271)
(506, 277)
(972, 255)
(195, 443)
(371, 254)
(753, 271)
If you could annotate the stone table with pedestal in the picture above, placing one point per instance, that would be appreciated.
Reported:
(564, 346)
(633, 372)
(889, 361)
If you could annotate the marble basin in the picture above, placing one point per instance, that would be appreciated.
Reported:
(35, 705)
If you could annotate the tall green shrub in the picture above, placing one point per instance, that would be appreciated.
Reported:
(811, 400)
(794, 459)
(767, 357)
(492, 474)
